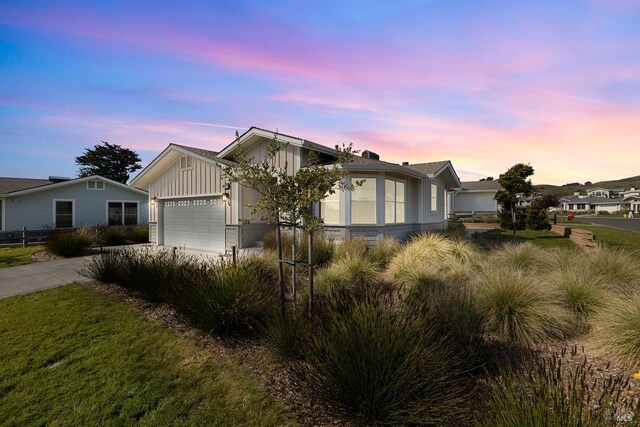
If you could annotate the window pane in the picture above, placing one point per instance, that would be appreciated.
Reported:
(330, 208)
(91, 185)
(363, 213)
(400, 192)
(115, 213)
(399, 212)
(64, 214)
(389, 190)
(434, 197)
(366, 192)
(100, 185)
(388, 212)
(130, 213)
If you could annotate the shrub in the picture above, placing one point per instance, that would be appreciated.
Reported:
(505, 219)
(520, 256)
(517, 307)
(548, 393)
(284, 333)
(69, 243)
(384, 250)
(537, 216)
(616, 329)
(113, 236)
(323, 248)
(356, 246)
(138, 234)
(582, 292)
(376, 364)
(618, 267)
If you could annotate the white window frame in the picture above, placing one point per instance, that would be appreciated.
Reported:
(395, 200)
(73, 211)
(434, 196)
(122, 202)
(373, 178)
(187, 164)
(95, 185)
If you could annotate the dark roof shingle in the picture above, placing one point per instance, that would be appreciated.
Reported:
(428, 168)
(9, 185)
(211, 155)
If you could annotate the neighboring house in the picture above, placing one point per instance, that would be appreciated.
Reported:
(192, 205)
(589, 204)
(476, 197)
(609, 193)
(63, 202)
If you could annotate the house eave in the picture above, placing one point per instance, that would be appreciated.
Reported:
(72, 182)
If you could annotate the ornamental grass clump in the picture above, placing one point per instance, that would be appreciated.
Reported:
(618, 267)
(113, 236)
(520, 256)
(549, 391)
(285, 332)
(616, 329)
(518, 307)
(356, 246)
(381, 364)
(582, 292)
(138, 234)
(69, 243)
(350, 272)
(431, 259)
(384, 251)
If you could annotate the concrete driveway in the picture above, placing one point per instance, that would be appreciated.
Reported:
(41, 275)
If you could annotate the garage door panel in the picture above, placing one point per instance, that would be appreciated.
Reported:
(196, 223)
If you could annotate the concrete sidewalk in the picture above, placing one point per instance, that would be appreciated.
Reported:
(40, 275)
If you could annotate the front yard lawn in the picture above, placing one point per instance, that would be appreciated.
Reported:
(73, 356)
(10, 257)
(542, 238)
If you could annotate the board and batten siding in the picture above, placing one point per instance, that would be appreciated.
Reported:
(35, 210)
(289, 156)
(439, 214)
(204, 178)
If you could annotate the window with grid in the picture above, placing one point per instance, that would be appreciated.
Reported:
(122, 213)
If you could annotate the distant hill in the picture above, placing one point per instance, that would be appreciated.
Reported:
(569, 189)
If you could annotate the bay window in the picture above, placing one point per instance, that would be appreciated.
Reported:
(330, 208)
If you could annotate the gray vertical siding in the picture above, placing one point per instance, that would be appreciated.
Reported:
(35, 210)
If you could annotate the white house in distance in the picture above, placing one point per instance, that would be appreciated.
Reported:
(193, 206)
(476, 197)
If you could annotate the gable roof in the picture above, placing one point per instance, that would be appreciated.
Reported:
(592, 200)
(49, 185)
(434, 169)
(8, 185)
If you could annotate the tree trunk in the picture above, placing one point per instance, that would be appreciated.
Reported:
(310, 273)
(280, 269)
(294, 265)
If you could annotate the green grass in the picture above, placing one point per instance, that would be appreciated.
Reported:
(542, 238)
(628, 240)
(10, 257)
(72, 356)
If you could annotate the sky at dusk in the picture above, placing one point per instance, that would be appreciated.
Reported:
(485, 84)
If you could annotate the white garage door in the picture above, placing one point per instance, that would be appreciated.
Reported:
(196, 223)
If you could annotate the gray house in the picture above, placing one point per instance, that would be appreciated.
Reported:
(63, 202)
(476, 197)
(193, 206)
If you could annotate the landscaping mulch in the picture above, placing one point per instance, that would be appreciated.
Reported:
(43, 256)
(252, 354)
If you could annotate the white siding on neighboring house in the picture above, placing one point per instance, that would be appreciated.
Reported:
(469, 201)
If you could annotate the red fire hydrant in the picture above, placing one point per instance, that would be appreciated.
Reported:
(569, 216)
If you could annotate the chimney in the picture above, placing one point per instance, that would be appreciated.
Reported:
(405, 163)
(370, 155)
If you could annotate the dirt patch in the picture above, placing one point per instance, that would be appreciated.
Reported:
(252, 354)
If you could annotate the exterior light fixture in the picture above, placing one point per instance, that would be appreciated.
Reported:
(227, 186)
(226, 198)
(154, 200)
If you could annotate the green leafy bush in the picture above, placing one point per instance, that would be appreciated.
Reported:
(549, 392)
(504, 217)
(518, 307)
(378, 364)
(537, 216)
(69, 243)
